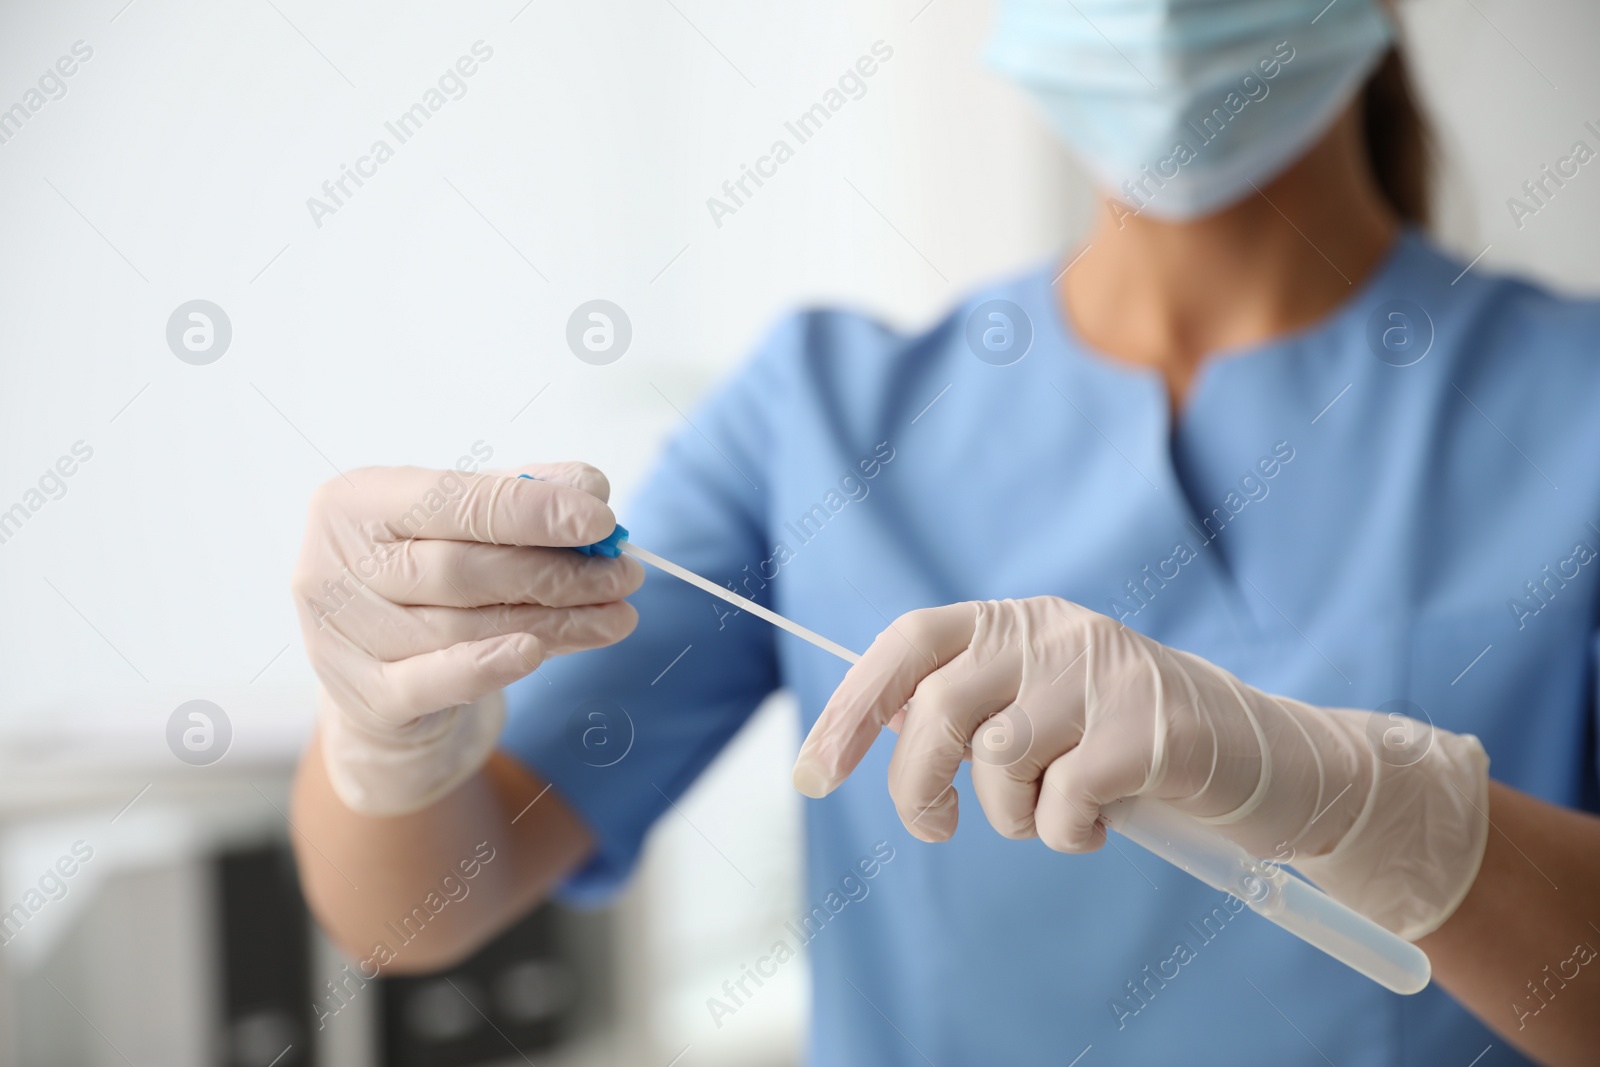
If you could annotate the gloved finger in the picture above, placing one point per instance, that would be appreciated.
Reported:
(1077, 785)
(915, 645)
(1011, 750)
(940, 719)
(577, 475)
(409, 502)
(413, 631)
(465, 574)
(410, 688)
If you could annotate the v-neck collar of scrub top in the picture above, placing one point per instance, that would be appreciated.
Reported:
(1306, 340)
(1169, 458)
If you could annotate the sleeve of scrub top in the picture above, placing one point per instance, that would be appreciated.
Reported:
(619, 730)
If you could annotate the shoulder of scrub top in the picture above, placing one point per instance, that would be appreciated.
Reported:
(856, 361)
(1514, 332)
(1512, 359)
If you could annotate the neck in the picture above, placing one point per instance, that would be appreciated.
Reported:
(1167, 294)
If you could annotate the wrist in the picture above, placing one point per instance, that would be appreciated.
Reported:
(1314, 779)
(1412, 851)
(377, 768)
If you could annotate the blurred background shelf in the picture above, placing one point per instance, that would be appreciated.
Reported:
(183, 939)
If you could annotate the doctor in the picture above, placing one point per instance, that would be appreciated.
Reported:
(1256, 502)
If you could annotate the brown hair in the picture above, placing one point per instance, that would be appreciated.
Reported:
(1399, 143)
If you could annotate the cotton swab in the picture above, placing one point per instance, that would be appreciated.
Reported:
(684, 574)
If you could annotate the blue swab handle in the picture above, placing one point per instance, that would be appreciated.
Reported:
(610, 546)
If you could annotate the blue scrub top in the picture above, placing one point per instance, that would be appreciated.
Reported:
(1398, 507)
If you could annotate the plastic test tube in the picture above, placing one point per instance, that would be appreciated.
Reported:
(1268, 890)
(1271, 892)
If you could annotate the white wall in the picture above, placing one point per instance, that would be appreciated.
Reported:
(1511, 86)
(406, 327)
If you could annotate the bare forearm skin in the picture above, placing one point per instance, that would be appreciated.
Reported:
(430, 887)
(1523, 950)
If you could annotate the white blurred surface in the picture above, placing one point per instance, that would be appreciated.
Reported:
(428, 313)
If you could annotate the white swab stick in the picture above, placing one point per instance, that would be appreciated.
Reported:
(738, 601)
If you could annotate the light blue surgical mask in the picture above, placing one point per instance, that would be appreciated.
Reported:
(1182, 107)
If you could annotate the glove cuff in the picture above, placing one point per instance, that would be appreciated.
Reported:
(378, 769)
(1414, 851)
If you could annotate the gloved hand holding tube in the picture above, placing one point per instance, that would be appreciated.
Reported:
(1065, 711)
(422, 593)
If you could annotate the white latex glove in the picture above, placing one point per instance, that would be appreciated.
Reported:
(422, 593)
(1063, 710)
